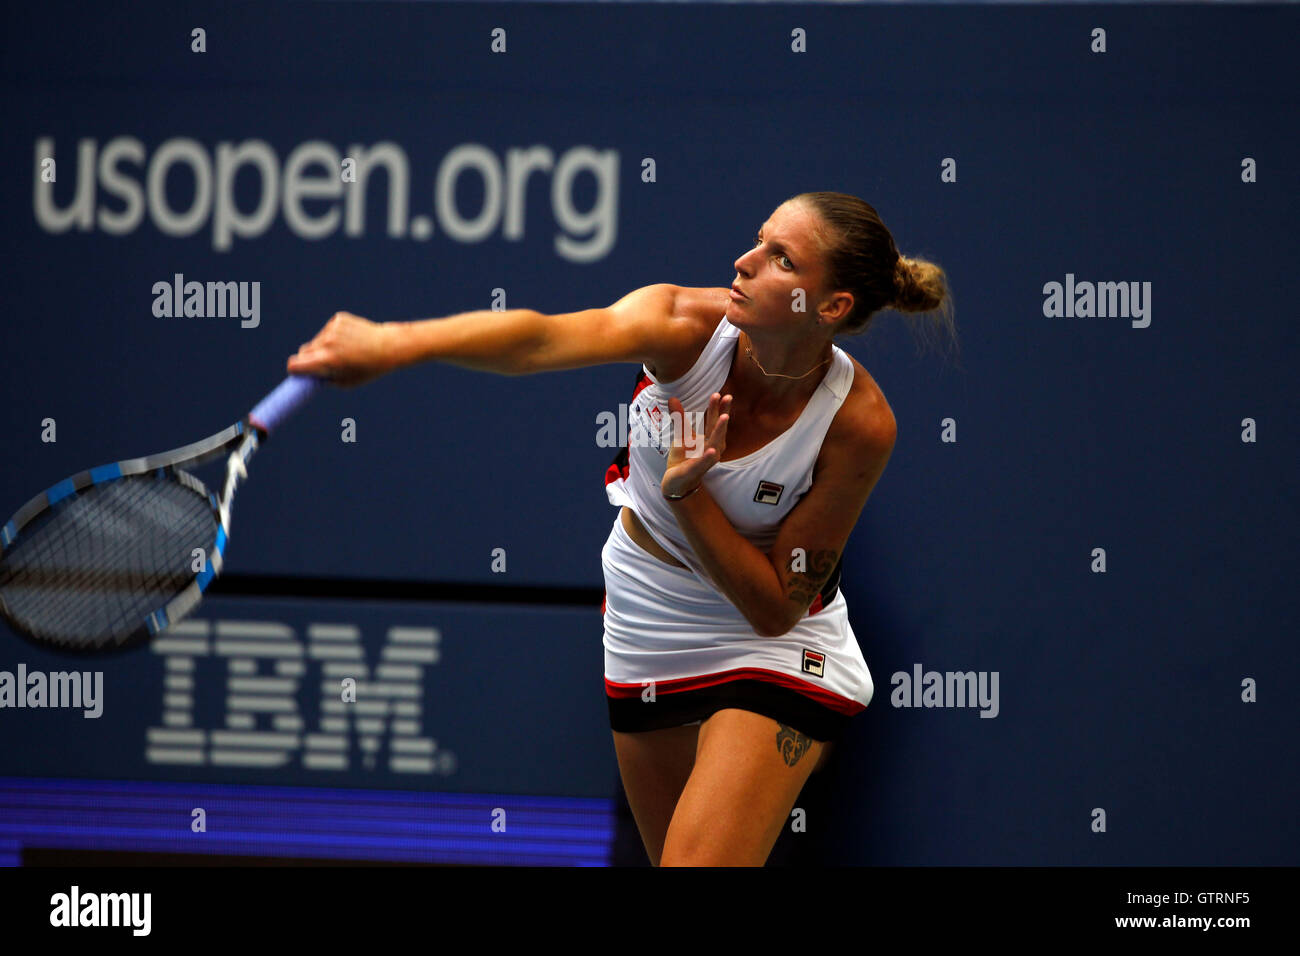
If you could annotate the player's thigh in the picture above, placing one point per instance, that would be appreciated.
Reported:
(749, 770)
(655, 765)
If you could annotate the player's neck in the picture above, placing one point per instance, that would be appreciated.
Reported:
(776, 375)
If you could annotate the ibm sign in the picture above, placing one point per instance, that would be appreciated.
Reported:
(267, 666)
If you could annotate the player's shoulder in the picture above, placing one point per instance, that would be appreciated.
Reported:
(702, 307)
(695, 315)
(864, 420)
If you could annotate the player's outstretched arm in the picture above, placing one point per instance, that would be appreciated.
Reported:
(639, 327)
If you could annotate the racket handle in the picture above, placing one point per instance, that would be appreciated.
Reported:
(287, 398)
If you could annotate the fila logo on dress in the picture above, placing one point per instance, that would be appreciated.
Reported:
(814, 663)
(769, 492)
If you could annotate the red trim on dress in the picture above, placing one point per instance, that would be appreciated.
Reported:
(614, 472)
(821, 695)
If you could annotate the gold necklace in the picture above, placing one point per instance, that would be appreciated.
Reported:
(750, 353)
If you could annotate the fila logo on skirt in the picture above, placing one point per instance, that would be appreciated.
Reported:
(814, 663)
(769, 492)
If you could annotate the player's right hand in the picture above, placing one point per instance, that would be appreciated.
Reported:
(348, 351)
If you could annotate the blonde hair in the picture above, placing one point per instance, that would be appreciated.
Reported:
(861, 258)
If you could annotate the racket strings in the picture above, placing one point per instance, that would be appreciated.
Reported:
(96, 565)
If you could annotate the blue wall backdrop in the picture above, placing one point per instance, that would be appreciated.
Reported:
(1153, 148)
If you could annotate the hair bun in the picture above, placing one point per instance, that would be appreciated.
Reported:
(902, 276)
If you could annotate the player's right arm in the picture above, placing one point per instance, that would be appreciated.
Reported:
(643, 326)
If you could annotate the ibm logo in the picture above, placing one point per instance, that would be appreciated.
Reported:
(266, 666)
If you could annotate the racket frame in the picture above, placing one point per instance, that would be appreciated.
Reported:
(240, 441)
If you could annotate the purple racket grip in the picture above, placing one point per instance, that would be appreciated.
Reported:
(286, 399)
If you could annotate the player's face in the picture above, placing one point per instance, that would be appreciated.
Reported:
(786, 258)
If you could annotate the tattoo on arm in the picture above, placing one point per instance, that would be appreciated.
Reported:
(802, 587)
(791, 744)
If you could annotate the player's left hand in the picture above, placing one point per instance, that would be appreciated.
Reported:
(684, 471)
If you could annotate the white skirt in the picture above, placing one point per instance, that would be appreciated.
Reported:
(664, 625)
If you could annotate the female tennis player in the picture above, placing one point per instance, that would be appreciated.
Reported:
(730, 665)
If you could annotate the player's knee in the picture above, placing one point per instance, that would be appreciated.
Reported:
(683, 853)
(678, 853)
(701, 841)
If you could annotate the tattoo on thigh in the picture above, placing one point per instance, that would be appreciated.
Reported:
(791, 744)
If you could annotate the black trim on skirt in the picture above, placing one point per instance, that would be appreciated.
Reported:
(785, 706)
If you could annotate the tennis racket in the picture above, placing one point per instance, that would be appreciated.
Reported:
(110, 557)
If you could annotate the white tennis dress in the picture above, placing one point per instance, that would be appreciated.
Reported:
(673, 626)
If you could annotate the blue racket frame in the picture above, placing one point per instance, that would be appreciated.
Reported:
(240, 441)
